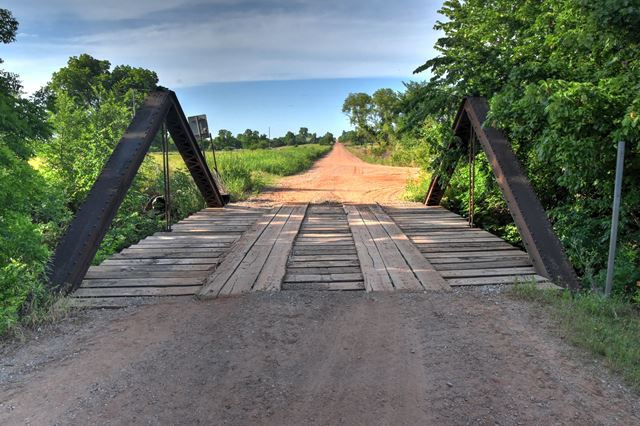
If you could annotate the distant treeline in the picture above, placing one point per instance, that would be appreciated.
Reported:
(252, 139)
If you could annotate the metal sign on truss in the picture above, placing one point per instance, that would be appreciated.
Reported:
(542, 245)
(80, 243)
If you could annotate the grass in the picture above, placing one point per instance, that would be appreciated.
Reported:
(608, 328)
(416, 189)
(39, 312)
(246, 172)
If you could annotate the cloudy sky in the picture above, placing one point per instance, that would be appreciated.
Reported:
(245, 63)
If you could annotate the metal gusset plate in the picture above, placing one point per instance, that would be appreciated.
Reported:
(82, 239)
(542, 245)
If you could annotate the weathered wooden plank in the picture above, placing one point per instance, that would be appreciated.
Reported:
(116, 274)
(459, 239)
(249, 269)
(167, 254)
(139, 282)
(523, 262)
(460, 247)
(376, 277)
(275, 268)
(326, 286)
(232, 261)
(323, 257)
(181, 245)
(323, 270)
(401, 274)
(511, 279)
(488, 272)
(129, 268)
(473, 254)
(208, 261)
(301, 278)
(170, 236)
(136, 291)
(322, 263)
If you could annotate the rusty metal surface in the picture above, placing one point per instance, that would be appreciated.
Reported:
(82, 239)
(189, 149)
(542, 245)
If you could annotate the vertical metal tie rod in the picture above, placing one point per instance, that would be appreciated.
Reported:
(167, 182)
(472, 175)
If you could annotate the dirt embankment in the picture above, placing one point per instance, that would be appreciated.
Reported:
(343, 177)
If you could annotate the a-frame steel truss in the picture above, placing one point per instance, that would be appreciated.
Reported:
(82, 239)
(542, 245)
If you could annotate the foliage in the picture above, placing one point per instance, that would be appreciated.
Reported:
(562, 77)
(252, 139)
(29, 208)
(374, 117)
(245, 172)
(607, 327)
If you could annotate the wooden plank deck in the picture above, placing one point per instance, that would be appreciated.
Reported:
(234, 250)
(167, 264)
(462, 255)
(324, 253)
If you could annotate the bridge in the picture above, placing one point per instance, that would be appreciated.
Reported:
(228, 249)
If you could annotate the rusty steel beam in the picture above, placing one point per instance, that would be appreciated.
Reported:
(542, 245)
(188, 147)
(82, 239)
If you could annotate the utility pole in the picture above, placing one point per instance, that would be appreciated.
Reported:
(614, 219)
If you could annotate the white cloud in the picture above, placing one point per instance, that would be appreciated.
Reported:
(241, 46)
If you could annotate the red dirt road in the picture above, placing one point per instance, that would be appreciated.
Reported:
(471, 356)
(342, 177)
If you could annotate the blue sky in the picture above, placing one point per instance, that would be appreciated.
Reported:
(244, 63)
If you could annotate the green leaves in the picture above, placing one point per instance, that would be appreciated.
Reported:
(563, 80)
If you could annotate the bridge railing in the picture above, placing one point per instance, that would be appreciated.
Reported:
(79, 245)
(543, 246)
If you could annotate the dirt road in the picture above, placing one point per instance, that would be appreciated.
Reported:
(341, 176)
(315, 358)
(464, 357)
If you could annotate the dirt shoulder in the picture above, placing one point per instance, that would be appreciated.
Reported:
(341, 176)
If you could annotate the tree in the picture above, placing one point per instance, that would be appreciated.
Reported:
(360, 110)
(30, 210)
(563, 82)
(385, 112)
(327, 139)
(226, 140)
(303, 136)
(82, 78)
(289, 139)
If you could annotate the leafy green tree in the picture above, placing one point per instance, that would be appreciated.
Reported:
(563, 81)
(82, 79)
(30, 210)
(385, 112)
(226, 140)
(289, 139)
(360, 110)
(327, 139)
(303, 136)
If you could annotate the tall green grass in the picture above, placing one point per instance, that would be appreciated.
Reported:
(246, 172)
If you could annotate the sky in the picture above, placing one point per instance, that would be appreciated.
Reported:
(270, 64)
